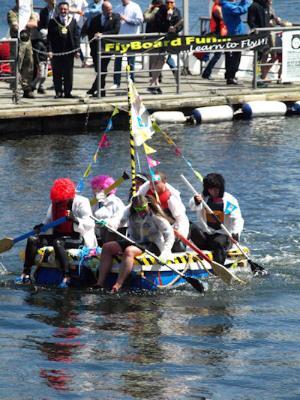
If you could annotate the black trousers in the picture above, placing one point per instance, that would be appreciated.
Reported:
(62, 67)
(59, 242)
(103, 68)
(232, 63)
(217, 243)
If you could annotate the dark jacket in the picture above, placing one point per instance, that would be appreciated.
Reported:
(110, 27)
(259, 14)
(163, 23)
(44, 18)
(59, 42)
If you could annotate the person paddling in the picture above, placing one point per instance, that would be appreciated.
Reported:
(147, 226)
(109, 207)
(208, 233)
(171, 204)
(78, 228)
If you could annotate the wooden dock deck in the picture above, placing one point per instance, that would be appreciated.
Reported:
(44, 113)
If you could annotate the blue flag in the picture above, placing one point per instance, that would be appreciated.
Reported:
(229, 208)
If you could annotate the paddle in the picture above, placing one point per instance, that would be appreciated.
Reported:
(219, 269)
(198, 285)
(255, 268)
(117, 183)
(7, 243)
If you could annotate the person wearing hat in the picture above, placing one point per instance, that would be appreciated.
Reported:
(208, 234)
(79, 228)
(109, 207)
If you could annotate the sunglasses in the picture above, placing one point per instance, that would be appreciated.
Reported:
(140, 209)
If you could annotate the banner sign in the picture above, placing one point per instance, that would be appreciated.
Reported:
(174, 44)
(291, 56)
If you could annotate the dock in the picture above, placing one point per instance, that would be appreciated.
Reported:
(44, 114)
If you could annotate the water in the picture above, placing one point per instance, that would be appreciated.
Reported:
(197, 8)
(231, 343)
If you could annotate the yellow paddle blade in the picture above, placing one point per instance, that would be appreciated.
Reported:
(6, 244)
(226, 275)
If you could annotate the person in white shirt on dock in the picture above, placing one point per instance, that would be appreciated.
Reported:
(132, 18)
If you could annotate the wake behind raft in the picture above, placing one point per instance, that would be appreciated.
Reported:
(147, 274)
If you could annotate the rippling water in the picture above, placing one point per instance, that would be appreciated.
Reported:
(231, 343)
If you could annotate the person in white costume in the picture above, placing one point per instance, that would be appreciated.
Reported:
(77, 229)
(208, 234)
(108, 207)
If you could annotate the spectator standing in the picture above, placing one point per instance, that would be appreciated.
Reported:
(232, 11)
(92, 10)
(156, 61)
(218, 28)
(77, 9)
(131, 17)
(169, 20)
(41, 57)
(63, 37)
(105, 23)
(47, 13)
(25, 54)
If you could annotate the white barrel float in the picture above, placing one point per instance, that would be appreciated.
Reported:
(212, 114)
(169, 117)
(296, 107)
(263, 108)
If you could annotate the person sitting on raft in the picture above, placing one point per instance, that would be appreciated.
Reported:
(208, 234)
(147, 226)
(171, 204)
(109, 208)
(78, 226)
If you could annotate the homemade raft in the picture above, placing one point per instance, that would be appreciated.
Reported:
(146, 273)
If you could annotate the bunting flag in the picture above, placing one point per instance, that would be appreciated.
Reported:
(229, 208)
(141, 121)
(151, 162)
(148, 149)
(103, 143)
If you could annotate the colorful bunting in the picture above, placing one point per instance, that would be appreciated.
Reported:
(148, 149)
(151, 162)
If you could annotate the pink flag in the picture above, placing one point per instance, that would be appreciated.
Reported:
(178, 151)
(103, 142)
(152, 163)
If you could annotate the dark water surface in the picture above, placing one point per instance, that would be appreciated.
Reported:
(231, 343)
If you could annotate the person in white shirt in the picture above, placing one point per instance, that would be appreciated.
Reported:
(131, 17)
(77, 9)
(208, 234)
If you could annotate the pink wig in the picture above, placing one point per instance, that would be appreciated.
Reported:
(62, 189)
(102, 182)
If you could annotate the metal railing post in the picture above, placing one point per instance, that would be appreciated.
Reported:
(254, 78)
(99, 68)
(178, 74)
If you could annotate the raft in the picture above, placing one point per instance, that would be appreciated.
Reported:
(146, 273)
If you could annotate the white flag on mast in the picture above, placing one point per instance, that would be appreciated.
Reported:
(141, 120)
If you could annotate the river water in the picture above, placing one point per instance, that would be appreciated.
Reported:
(230, 343)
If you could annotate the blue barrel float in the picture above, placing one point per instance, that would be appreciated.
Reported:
(263, 109)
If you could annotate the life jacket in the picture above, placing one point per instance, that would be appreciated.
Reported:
(217, 24)
(163, 198)
(59, 209)
(217, 206)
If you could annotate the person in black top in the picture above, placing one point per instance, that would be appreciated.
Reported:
(105, 23)
(46, 14)
(63, 42)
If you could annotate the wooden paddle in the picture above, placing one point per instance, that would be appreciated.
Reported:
(219, 269)
(198, 285)
(255, 268)
(7, 243)
(117, 183)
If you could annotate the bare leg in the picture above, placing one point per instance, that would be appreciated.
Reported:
(126, 267)
(109, 250)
